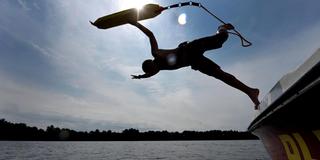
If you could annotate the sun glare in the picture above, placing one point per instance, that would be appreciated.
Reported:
(126, 4)
(182, 19)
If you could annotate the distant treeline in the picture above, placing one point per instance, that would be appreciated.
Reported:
(20, 131)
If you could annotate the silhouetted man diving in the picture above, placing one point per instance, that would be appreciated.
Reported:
(191, 54)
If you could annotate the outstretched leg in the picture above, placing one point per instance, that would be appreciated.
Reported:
(210, 68)
(207, 43)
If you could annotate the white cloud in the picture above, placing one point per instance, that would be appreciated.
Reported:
(24, 5)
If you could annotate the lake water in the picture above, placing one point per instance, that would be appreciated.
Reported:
(137, 150)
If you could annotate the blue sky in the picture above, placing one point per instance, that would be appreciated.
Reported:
(55, 68)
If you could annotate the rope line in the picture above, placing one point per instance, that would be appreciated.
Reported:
(244, 42)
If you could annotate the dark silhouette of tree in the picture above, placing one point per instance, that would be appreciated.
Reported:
(20, 131)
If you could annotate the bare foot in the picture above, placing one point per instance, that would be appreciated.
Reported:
(254, 97)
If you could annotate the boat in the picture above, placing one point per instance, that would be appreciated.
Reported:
(288, 120)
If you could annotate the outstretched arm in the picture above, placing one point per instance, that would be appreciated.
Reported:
(146, 75)
(146, 31)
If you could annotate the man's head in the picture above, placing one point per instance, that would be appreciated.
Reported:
(148, 66)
